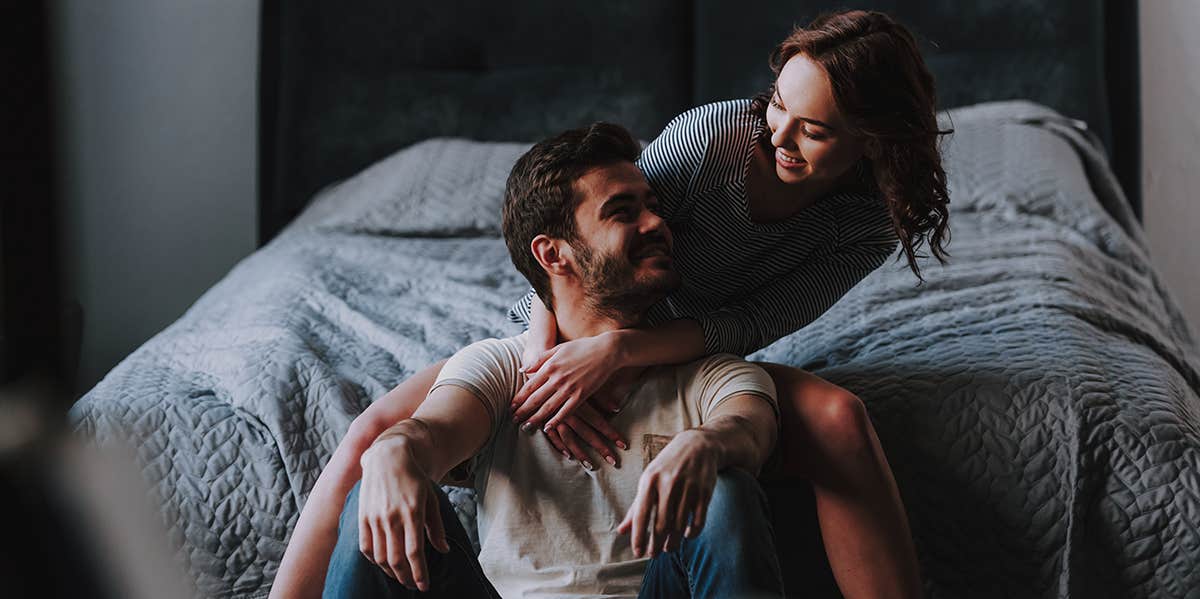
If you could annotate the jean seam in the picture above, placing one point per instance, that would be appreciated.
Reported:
(476, 568)
(687, 572)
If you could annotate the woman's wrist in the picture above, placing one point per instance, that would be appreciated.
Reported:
(620, 348)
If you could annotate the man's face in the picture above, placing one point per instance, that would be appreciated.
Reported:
(623, 250)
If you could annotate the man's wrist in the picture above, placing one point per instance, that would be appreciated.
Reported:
(706, 442)
(400, 441)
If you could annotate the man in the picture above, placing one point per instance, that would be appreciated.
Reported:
(684, 516)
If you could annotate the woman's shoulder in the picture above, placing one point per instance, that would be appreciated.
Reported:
(721, 124)
(702, 138)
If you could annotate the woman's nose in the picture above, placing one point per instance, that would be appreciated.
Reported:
(781, 137)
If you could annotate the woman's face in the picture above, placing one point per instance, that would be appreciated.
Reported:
(810, 138)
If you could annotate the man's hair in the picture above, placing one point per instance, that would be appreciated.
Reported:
(540, 197)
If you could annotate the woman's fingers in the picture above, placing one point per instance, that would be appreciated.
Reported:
(538, 359)
(539, 391)
(556, 440)
(557, 403)
(575, 446)
(555, 417)
(598, 443)
(601, 424)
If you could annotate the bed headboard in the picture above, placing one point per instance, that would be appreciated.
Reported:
(344, 84)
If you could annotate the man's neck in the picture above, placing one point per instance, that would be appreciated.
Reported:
(577, 315)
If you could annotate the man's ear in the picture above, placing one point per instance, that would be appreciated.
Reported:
(553, 254)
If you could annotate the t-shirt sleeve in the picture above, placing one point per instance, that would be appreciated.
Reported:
(789, 303)
(722, 376)
(489, 370)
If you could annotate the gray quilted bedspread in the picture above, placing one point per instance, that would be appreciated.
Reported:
(1037, 397)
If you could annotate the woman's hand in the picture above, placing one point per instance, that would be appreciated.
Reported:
(564, 377)
(587, 426)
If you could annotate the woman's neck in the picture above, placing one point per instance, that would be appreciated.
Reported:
(771, 200)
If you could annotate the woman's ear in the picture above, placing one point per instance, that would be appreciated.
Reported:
(553, 255)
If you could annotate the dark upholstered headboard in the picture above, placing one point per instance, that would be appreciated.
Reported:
(343, 84)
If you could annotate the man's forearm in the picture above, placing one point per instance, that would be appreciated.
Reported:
(741, 441)
(413, 439)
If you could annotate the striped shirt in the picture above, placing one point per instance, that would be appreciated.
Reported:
(746, 283)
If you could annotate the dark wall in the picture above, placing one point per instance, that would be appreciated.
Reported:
(30, 302)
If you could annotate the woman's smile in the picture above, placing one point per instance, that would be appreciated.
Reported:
(786, 161)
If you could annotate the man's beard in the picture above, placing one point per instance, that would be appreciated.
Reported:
(612, 288)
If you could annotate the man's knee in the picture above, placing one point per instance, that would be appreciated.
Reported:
(738, 505)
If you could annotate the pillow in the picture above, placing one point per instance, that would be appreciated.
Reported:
(439, 187)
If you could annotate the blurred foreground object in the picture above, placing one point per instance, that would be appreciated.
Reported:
(77, 521)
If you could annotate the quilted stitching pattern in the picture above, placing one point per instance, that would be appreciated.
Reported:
(1037, 397)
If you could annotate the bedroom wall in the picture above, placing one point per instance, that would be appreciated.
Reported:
(1170, 60)
(156, 116)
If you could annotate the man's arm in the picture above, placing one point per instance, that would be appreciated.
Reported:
(740, 433)
(397, 503)
(301, 573)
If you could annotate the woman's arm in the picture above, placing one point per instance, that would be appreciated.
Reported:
(543, 332)
(571, 372)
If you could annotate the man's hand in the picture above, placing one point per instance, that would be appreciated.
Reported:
(397, 509)
(673, 494)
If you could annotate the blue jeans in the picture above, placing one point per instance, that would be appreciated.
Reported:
(734, 554)
(452, 575)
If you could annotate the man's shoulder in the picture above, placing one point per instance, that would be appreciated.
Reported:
(715, 364)
(501, 356)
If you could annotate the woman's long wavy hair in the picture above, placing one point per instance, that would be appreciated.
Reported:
(886, 94)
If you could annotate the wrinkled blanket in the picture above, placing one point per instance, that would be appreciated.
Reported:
(1037, 398)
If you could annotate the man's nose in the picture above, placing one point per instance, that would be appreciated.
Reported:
(651, 222)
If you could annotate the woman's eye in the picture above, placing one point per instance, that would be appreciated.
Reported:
(814, 136)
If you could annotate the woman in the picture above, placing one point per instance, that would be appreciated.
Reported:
(778, 205)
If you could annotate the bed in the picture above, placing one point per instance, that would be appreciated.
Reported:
(1038, 398)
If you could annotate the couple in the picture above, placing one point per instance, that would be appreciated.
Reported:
(778, 205)
(580, 222)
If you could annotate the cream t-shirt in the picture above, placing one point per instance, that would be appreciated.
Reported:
(547, 526)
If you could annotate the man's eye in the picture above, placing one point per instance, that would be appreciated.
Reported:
(776, 103)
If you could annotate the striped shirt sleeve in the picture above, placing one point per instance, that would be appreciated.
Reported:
(519, 312)
(791, 302)
(671, 163)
